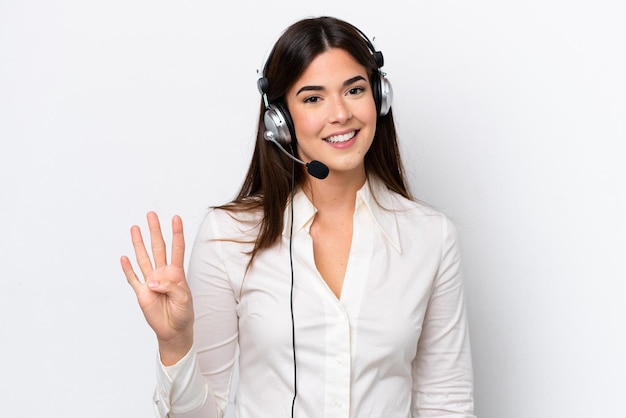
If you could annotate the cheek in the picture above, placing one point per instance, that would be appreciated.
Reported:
(365, 110)
(306, 123)
(371, 112)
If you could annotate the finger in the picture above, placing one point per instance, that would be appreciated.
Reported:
(178, 242)
(156, 240)
(143, 259)
(131, 277)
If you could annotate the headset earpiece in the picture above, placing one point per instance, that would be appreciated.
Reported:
(278, 124)
(386, 95)
(381, 88)
(383, 93)
(277, 120)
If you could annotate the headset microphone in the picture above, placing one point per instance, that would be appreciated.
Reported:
(315, 168)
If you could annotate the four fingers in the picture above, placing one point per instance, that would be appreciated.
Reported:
(163, 295)
(158, 248)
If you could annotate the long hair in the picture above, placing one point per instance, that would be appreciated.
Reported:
(268, 183)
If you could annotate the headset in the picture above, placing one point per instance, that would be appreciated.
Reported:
(279, 126)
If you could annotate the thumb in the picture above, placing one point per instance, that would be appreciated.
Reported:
(179, 293)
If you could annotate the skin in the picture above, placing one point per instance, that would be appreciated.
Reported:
(332, 99)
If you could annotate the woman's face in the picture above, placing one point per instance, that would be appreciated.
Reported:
(333, 112)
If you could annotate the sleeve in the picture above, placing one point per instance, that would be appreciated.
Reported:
(442, 368)
(198, 385)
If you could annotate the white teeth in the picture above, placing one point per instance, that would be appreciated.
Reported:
(341, 138)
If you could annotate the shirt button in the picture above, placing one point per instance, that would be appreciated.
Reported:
(339, 360)
(338, 404)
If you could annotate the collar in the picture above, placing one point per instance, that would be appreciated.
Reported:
(373, 197)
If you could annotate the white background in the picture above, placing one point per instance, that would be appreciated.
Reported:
(511, 119)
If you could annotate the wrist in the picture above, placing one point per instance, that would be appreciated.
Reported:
(172, 350)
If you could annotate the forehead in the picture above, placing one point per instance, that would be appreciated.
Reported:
(333, 65)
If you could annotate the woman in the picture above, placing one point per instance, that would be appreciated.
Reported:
(337, 294)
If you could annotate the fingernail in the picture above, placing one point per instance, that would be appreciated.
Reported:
(153, 284)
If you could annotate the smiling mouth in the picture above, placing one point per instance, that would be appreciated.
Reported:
(341, 138)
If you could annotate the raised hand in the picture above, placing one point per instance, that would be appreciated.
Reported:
(163, 295)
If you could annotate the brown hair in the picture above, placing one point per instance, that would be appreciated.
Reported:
(268, 183)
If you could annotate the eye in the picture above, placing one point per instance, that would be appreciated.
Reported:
(312, 99)
(356, 90)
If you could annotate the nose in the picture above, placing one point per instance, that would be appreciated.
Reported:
(339, 111)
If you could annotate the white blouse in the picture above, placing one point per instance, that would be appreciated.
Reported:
(396, 343)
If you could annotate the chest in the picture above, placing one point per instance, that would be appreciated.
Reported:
(332, 242)
(382, 304)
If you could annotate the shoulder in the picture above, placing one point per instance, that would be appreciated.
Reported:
(223, 223)
(415, 220)
(394, 202)
(417, 213)
(414, 207)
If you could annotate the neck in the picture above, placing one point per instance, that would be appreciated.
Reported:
(336, 192)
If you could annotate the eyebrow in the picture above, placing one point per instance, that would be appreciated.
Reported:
(345, 83)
